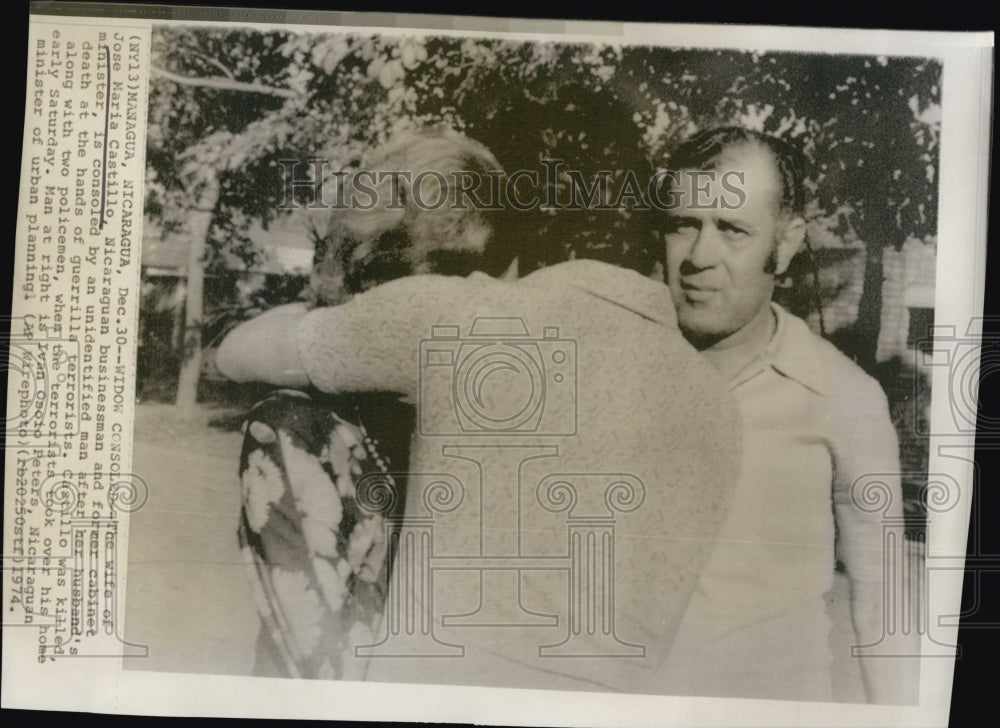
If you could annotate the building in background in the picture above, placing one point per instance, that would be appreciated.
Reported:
(234, 291)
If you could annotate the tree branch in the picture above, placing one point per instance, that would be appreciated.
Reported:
(223, 84)
(217, 64)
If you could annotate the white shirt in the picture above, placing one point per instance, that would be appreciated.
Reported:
(813, 422)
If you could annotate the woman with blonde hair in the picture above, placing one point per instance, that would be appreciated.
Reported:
(616, 402)
(318, 561)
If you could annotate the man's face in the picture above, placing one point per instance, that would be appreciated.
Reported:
(721, 262)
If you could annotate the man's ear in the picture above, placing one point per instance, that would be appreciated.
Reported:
(789, 242)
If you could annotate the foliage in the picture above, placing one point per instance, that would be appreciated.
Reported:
(236, 102)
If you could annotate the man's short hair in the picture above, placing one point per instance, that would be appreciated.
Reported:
(704, 148)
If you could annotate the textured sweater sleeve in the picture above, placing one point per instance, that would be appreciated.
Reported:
(373, 341)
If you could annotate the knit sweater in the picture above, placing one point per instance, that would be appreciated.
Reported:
(573, 382)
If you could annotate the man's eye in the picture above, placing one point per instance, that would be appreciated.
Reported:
(732, 232)
(680, 226)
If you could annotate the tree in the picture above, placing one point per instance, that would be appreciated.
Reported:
(229, 106)
(201, 219)
(198, 121)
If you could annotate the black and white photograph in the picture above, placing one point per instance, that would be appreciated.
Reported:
(530, 370)
(533, 364)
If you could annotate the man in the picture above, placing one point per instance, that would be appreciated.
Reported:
(813, 424)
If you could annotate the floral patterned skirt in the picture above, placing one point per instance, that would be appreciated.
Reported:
(314, 526)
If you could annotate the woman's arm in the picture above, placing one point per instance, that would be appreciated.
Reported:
(372, 342)
(367, 344)
(265, 349)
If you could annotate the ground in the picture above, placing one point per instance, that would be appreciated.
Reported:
(188, 596)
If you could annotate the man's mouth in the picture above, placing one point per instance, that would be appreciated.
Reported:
(696, 292)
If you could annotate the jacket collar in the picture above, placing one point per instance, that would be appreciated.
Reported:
(794, 352)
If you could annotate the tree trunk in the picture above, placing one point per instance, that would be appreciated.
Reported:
(177, 314)
(201, 219)
(868, 325)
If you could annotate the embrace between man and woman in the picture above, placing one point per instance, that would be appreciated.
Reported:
(737, 432)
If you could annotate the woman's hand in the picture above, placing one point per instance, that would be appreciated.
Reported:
(265, 349)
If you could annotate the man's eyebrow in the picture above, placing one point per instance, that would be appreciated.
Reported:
(734, 222)
(734, 217)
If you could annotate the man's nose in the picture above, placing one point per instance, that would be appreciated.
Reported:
(705, 251)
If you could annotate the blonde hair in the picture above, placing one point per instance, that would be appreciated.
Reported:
(406, 231)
